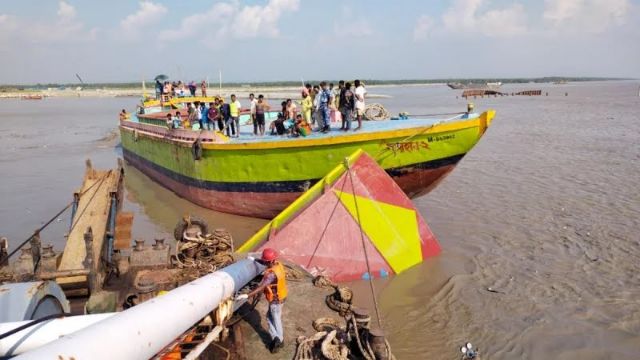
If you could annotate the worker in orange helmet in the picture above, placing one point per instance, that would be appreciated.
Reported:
(274, 286)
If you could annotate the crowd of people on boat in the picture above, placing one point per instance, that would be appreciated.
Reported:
(319, 106)
(179, 89)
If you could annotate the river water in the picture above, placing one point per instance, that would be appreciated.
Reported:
(539, 223)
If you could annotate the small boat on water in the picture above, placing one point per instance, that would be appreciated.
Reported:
(475, 86)
(259, 176)
(32, 97)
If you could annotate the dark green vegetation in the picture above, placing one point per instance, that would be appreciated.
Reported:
(133, 85)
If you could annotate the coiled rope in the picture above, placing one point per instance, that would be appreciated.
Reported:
(205, 254)
(376, 112)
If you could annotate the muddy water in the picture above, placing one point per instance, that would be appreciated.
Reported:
(538, 224)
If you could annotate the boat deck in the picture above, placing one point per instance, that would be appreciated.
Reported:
(246, 131)
(247, 136)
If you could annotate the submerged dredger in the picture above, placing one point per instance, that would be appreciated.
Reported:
(109, 296)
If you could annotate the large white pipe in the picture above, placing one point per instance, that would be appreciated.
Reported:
(43, 333)
(143, 330)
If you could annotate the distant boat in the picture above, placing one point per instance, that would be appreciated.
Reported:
(560, 82)
(475, 86)
(32, 97)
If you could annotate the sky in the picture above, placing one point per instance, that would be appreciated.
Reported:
(44, 41)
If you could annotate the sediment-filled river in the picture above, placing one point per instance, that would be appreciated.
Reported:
(539, 223)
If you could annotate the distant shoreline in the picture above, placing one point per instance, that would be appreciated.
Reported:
(297, 83)
(271, 90)
(269, 93)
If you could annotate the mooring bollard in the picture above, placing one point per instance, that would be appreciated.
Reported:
(378, 344)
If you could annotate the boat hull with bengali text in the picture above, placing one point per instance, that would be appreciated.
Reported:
(260, 176)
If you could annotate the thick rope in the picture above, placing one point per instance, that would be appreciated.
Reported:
(90, 199)
(45, 225)
(209, 253)
(364, 248)
(376, 112)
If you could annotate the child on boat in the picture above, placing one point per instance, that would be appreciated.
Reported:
(301, 127)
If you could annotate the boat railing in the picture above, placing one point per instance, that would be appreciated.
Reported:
(187, 135)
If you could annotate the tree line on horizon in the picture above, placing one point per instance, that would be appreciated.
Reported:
(150, 83)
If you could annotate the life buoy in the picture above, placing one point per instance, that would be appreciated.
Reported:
(196, 149)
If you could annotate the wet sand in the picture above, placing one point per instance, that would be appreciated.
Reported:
(538, 224)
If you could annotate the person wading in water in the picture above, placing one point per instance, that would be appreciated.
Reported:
(274, 286)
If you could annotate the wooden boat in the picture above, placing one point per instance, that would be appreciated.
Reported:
(260, 176)
(475, 86)
(32, 97)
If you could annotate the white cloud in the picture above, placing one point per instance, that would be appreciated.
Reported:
(66, 28)
(423, 27)
(132, 26)
(593, 16)
(350, 25)
(471, 16)
(231, 20)
(254, 21)
(66, 11)
(148, 13)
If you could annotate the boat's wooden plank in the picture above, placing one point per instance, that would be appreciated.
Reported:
(93, 211)
(124, 222)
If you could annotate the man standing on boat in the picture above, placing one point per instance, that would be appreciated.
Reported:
(274, 286)
(212, 116)
(261, 107)
(347, 100)
(234, 108)
(337, 93)
(323, 106)
(315, 97)
(252, 111)
(203, 88)
(360, 106)
(225, 114)
(159, 88)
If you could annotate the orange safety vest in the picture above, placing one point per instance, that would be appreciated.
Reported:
(277, 291)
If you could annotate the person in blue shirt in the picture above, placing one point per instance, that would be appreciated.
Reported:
(159, 88)
(225, 112)
(323, 106)
(204, 122)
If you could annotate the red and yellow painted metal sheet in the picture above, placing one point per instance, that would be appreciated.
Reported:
(356, 209)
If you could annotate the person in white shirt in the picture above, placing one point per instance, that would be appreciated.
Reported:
(252, 109)
(317, 115)
(360, 94)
